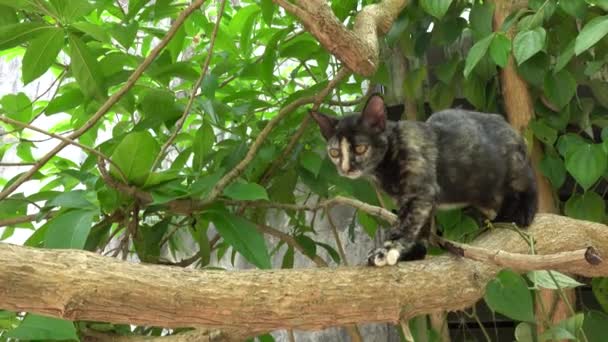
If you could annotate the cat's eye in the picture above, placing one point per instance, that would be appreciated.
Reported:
(334, 153)
(360, 149)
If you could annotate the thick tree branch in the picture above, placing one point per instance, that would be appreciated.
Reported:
(357, 48)
(105, 107)
(80, 285)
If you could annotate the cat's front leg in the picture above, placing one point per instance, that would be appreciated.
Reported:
(408, 240)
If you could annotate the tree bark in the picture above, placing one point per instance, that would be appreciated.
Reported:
(357, 48)
(79, 285)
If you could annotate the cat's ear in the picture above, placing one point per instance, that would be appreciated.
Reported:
(326, 123)
(374, 113)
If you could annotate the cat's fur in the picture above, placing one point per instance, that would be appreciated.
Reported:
(456, 158)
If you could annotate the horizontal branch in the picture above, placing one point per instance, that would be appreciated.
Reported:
(79, 285)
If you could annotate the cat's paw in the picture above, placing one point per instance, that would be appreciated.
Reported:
(394, 251)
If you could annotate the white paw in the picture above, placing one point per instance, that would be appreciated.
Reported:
(387, 255)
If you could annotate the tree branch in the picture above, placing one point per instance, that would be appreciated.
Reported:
(357, 48)
(80, 285)
(105, 107)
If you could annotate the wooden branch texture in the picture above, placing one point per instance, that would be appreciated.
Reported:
(357, 48)
(79, 285)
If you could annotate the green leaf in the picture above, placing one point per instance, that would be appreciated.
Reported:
(587, 163)
(525, 332)
(8, 16)
(158, 106)
(268, 9)
(477, 52)
(308, 245)
(412, 84)
(72, 9)
(42, 53)
(331, 251)
(86, 69)
(97, 32)
(283, 185)
(17, 107)
(553, 168)
(311, 162)
(568, 143)
(125, 34)
(69, 229)
(560, 88)
(15, 34)
(508, 294)
(594, 326)
(603, 4)
(134, 155)
(528, 43)
(593, 31)
(481, 19)
(565, 56)
(458, 230)
(242, 235)
(148, 241)
(69, 99)
(442, 96)
(202, 145)
(600, 291)
(553, 280)
(200, 235)
(36, 327)
(567, 329)
(246, 192)
(368, 223)
(575, 8)
(474, 90)
(589, 206)
(436, 8)
(543, 132)
(500, 48)
(76, 199)
(446, 71)
(288, 258)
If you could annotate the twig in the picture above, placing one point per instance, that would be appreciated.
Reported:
(334, 231)
(290, 241)
(180, 123)
(370, 209)
(68, 141)
(27, 218)
(109, 102)
(525, 262)
(16, 164)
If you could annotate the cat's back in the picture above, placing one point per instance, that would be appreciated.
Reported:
(473, 128)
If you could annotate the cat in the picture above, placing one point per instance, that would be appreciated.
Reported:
(457, 158)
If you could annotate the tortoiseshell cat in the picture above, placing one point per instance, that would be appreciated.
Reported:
(456, 158)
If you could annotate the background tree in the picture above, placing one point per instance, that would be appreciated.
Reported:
(198, 151)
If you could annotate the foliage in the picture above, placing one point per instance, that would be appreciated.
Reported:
(261, 61)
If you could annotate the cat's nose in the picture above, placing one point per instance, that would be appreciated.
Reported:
(345, 168)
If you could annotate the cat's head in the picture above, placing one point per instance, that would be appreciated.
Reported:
(356, 143)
